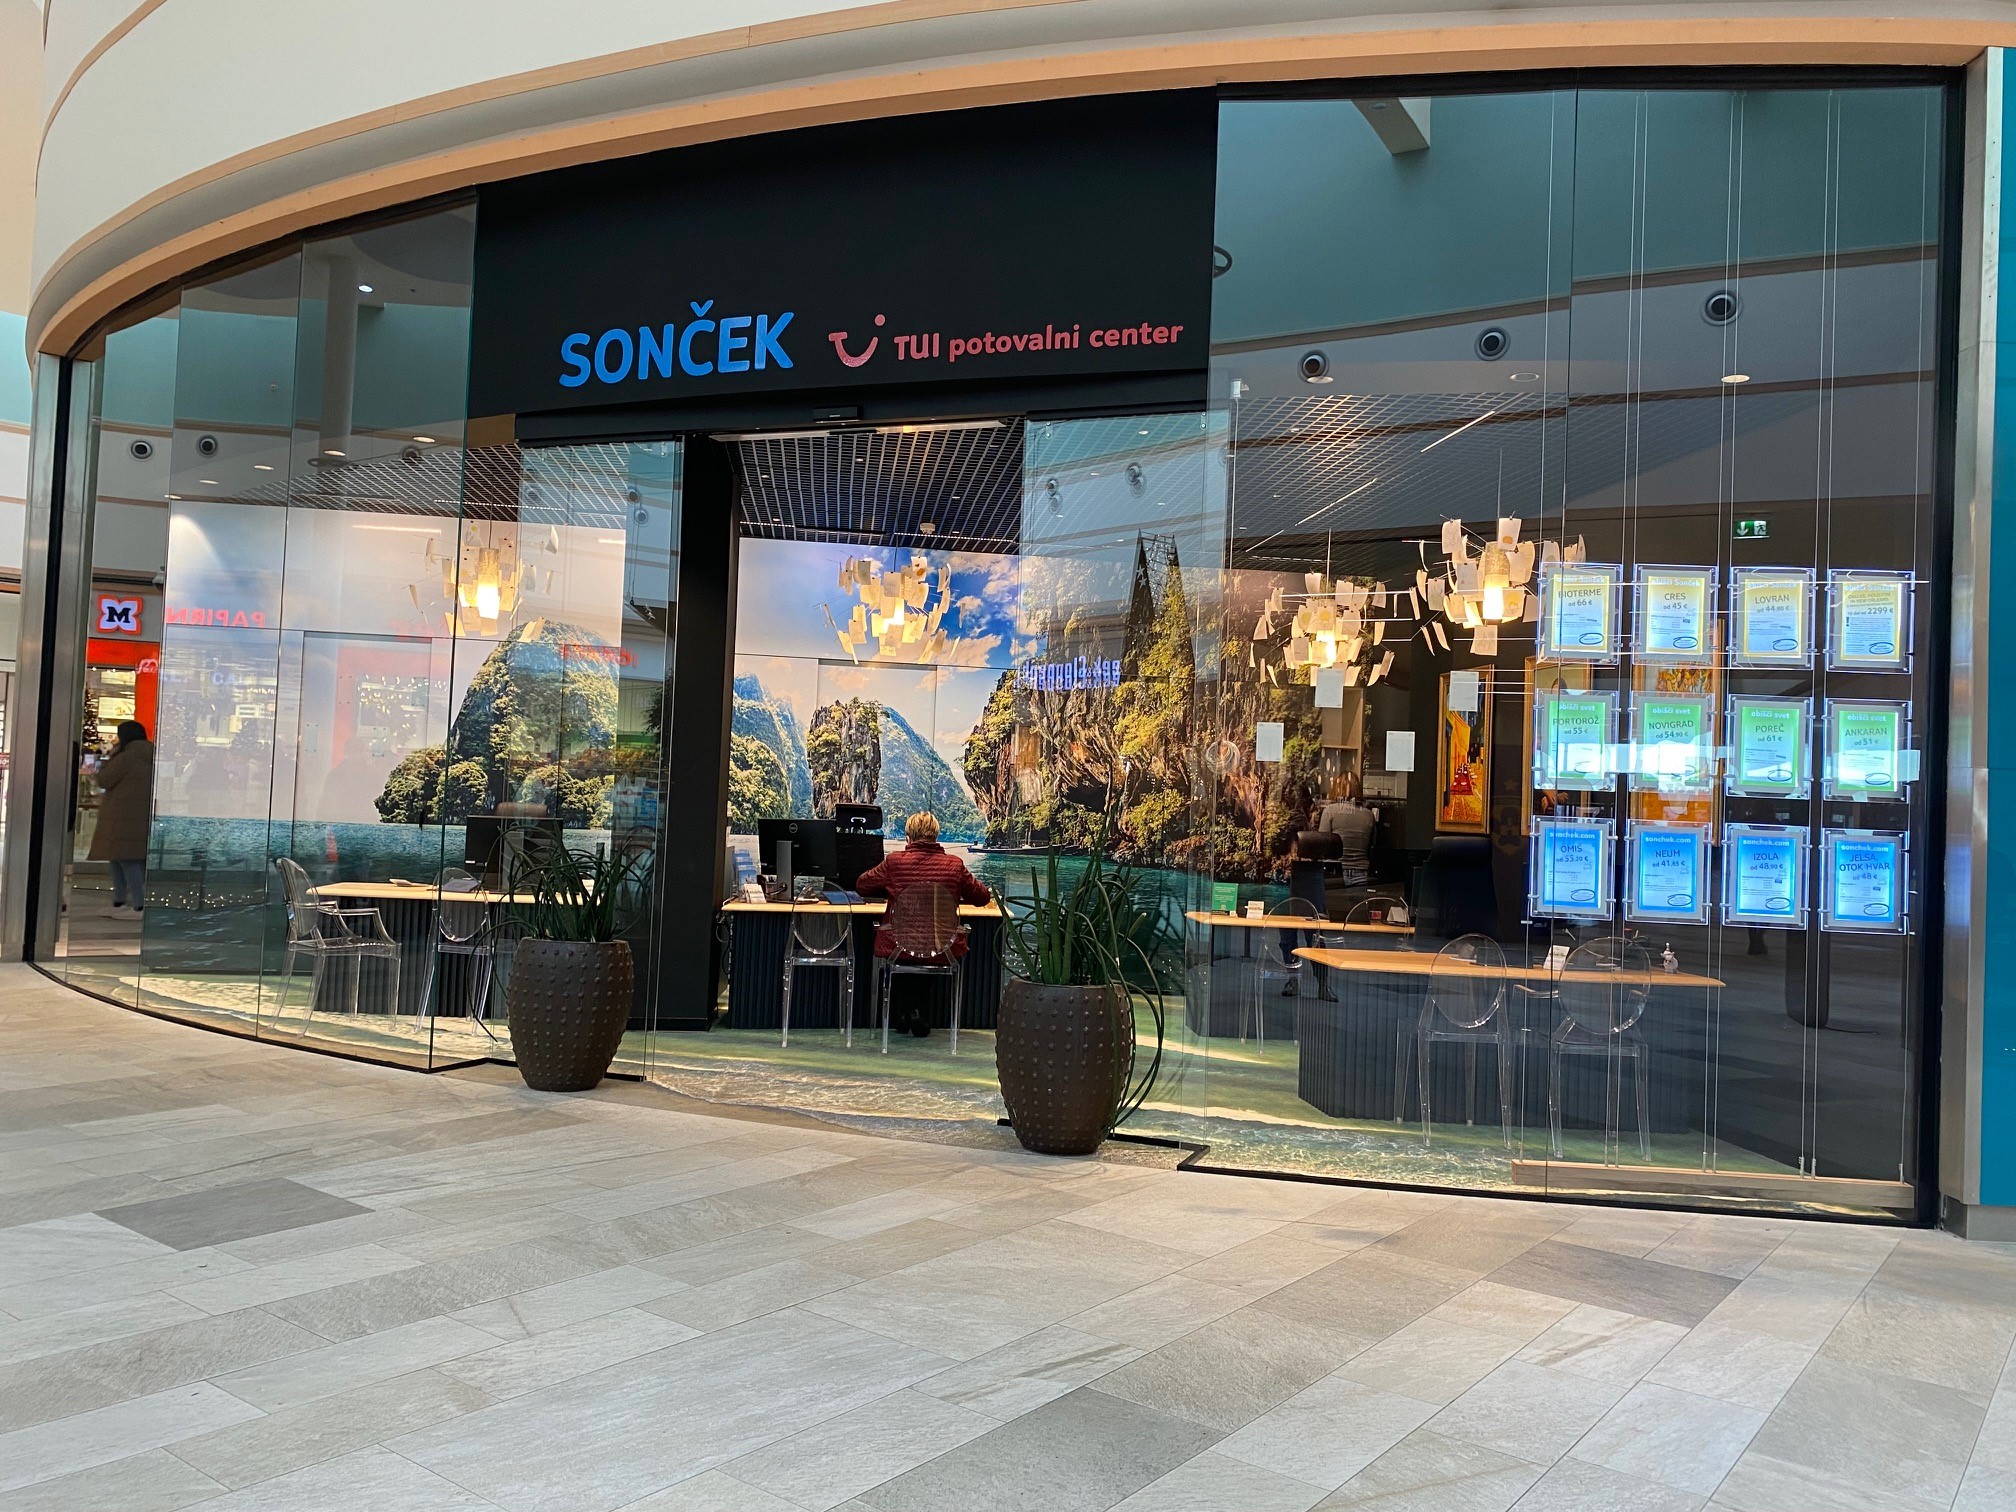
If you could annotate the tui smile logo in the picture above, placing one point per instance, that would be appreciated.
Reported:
(839, 340)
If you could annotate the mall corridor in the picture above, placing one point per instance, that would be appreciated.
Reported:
(234, 1276)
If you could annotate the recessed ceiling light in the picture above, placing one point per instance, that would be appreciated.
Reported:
(262, 467)
(211, 481)
(331, 452)
(1525, 377)
(1141, 433)
(1735, 377)
(927, 527)
(424, 440)
(364, 289)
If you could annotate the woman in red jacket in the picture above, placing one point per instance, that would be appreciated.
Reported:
(922, 862)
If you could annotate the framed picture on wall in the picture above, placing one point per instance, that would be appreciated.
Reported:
(1463, 758)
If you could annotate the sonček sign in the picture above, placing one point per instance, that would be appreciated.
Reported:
(1064, 240)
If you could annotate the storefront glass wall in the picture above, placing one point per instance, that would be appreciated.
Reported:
(1673, 351)
(1669, 348)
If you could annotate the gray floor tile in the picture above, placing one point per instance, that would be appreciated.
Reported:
(1229, 1372)
(1527, 1411)
(847, 1456)
(1614, 1347)
(153, 1481)
(561, 1354)
(713, 1491)
(1732, 1364)
(1430, 1360)
(542, 1308)
(607, 1439)
(1426, 1472)
(1366, 1294)
(1672, 1437)
(68, 1245)
(1150, 1316)
(88, 1439)
(1213, 1482)
(1574, 1485)
(223, 1214)
(1945, 1341)
(1477, 1242)
(1328, 1432)
(1649, 1288)
(333, 1368)
(1879, 1433)
(373, 1478)
(1080, 1453)
(35, 1337)
(1022, 1376)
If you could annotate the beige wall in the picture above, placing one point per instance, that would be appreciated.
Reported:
(20, 131)
(179, 131)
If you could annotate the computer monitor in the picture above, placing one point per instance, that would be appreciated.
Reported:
(858, 816)
(812, 848)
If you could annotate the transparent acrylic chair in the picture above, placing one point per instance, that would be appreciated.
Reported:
(923, 922)
(462, 928)
(1274, 960)
(323, 932)
(1602, 993)
(1464, 1003)
(821, 935)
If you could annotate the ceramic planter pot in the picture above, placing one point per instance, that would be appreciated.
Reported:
(1062, 1055)
(569, 1002)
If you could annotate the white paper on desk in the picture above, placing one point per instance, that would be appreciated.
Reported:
(1399, 750)
(1268, 737)
(1508, 530)
(1463, 692)
(1452, 536)
(1329, 687)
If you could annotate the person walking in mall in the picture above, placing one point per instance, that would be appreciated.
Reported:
(922, 862)
(125, 807)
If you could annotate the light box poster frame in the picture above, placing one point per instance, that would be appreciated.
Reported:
(1832, 918)
(1734, 782)
(1548, 773)
(1704, 746)
(1689, 837)
(1737, 840)
(1747, 583)
(1845, 586)
(1844, 711)
(1654, 617)
(1549, 837)
(1583, 582)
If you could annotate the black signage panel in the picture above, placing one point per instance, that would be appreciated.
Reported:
(1020, 243)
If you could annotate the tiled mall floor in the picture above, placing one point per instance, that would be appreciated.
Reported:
(242, 1277)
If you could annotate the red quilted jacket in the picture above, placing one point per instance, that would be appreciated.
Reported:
(919, 863)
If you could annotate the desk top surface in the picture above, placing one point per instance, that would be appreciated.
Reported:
(869, 908)
(1421, 962)
(1290, 921)
(413, 892)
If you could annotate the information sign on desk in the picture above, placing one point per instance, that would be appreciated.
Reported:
(1571, 869)
(1764, 876)
(1666, 873)
(1862, 881)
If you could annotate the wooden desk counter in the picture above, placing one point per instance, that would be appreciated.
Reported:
(870, 908)
(1422, 962)
(412, 892)
(1290, 921)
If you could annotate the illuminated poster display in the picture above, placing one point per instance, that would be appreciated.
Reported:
(1773, 617)
(1571, 869)
(1868, 621)
(1764, 876)
(1578, 611)
(1672, 620)
(1769, 748)
(1865, 749)
(1573, 734)
(1862, 881)
(1673, 742)
(1666, 873)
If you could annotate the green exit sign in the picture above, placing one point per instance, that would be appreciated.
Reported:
(1753, 530)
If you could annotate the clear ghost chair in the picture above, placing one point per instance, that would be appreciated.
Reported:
(1602, 993)
(1274, 960)
(323, 932)
(821, 935)
(923, 922)
(1464, 1004)
(462, 928)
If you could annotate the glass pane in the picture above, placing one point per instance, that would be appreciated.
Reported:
(98, 940)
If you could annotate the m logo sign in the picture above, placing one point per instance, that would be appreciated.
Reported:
(118, 616)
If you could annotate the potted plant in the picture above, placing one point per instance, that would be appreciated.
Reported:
(1078, 955)
(571, 976)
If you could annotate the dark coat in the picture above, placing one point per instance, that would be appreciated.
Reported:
(125, 803)
(920, 863)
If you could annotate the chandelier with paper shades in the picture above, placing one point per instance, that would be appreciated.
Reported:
(899, 611)
(1338, 624)
(1482, 589)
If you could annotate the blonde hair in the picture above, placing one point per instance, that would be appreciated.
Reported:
(921, 826)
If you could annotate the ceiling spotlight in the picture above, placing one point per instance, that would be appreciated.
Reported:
(424, 440)
(1735, 377)
(1525, 377)
(211, 481)
(262, 467)
(331, 452)
(927, 527)
(364, 289)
